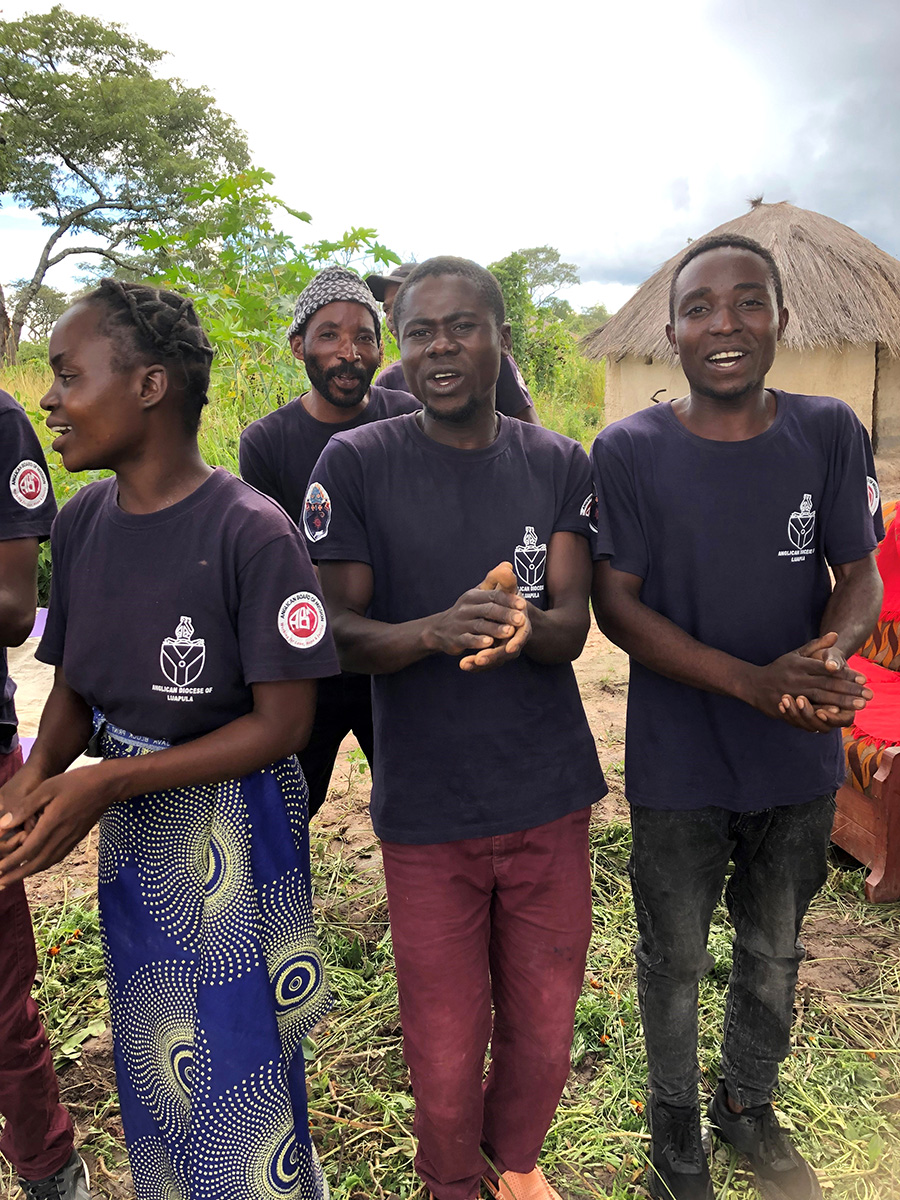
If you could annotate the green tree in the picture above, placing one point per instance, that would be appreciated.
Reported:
(546, 274)
(545, 340)
(95, 143)
(244, 274)
(588, 319)
(47, 305)
(512, 275)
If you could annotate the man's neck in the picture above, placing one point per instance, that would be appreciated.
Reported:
(331, 414)
(476, 433)
(725, 419)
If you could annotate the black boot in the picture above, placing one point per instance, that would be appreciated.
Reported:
(70, 1182)
(781, 1172)
(678, 1166)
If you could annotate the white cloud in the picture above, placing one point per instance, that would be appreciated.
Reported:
(611, 132)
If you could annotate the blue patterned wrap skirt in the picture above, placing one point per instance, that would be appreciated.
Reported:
(215, 977)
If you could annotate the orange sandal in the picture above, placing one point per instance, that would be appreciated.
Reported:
(513, 1186)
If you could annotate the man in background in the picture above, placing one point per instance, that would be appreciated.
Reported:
(336, 334)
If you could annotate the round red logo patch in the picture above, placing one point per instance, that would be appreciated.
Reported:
(301, 620)
(28, 484)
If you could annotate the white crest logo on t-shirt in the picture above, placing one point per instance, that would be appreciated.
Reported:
(589, 510)
(28, 484)
(873, 494)
(531, 561)
(183, 656)
(802, 524)
(316, 512)
(301, 620)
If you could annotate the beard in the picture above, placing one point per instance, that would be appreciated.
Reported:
(321, 381)
(455, 416)
(725, 395)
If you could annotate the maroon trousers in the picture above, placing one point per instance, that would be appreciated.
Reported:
(38, 1136)
(503, 920)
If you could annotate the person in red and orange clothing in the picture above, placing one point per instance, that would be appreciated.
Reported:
(38, 1136)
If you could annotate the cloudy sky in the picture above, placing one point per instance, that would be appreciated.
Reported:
(612, 132)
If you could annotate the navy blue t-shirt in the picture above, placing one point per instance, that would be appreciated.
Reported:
(279, 451)
(27, 509)
(164, 620)
(462, 755)
(733, 542)
(513, 395)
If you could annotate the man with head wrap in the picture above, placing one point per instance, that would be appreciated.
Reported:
(336, 334)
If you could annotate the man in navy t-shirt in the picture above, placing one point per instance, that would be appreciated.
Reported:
(336, 334)
(727, 508)
(486, 766)
(38, 1138)
(513, 398)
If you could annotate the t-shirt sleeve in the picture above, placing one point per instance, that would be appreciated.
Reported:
(333, 515)
(255, 467)
(513, 395)
(27, 505)
(283, 630)
(580, 512)
(853, 523)
(617, 502)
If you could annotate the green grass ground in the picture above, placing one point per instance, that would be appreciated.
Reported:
(840, 1088)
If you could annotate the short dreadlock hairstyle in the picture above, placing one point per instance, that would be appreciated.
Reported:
(446, 264)
(727, 241)
(148, 324)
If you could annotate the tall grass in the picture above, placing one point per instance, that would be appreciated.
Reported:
(239, 396)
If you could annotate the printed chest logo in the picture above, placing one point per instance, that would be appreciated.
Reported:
(183, 656)
(590, 509)
(28, 484)
(801, 531)
(301, 620)
(873, 494)
(182, 659)
(531, 562)
(316, 512)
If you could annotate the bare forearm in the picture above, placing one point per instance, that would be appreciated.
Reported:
(378, 648)
(16, 621)
(64, 732)
(852, 611)
(557, 635)
(658, 643)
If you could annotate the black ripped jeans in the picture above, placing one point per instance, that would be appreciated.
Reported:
(678, 865)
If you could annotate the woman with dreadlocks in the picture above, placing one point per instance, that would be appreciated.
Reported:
(187, 629)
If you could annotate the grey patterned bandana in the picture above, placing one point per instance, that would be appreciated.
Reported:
(334, 283)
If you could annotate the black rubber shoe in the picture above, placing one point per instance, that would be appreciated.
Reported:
(781, 1172)
(71, 1182)
(678, 1168)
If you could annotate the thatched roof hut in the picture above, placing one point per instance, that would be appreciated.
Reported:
(843, 336)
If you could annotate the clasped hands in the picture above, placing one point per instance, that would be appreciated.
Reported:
(42, 819)
(489, 624)
(812, 688)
